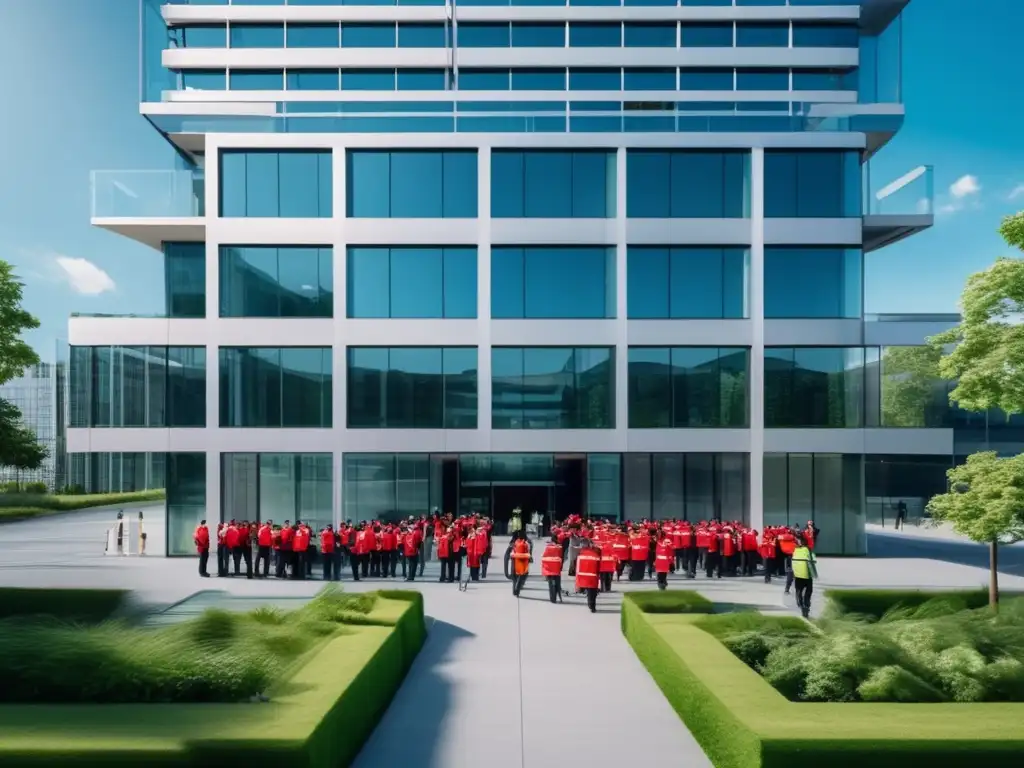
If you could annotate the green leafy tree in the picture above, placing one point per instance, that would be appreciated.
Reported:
(910, 379)
(985, 503)
(19, 447)
(15, 354)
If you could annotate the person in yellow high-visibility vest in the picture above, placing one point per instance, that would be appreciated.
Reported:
(804, 571)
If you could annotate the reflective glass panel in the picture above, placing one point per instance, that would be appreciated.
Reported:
(274, 387)
(412, 184)
(803, 282)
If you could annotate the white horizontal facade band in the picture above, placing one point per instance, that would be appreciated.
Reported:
(276, 58)
(193, 14)
(265, 101)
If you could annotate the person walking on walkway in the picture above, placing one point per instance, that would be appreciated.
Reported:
(202, 540)
(664, 554)
(588, 577)
(805, 571)
(551, 569)
(521, 558)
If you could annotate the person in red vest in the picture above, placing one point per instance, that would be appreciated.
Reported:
(767, 551)
(331, 565)
(748, 545)
(787, 546)
(285, 560)
(521, 557)
(609, 562)
(264, 541)
(639, 547)
(712, 554)
(474, 549)
(458, 551)
(729, 551)
(444, 553)
(663, 556)
(621, 550)
(588, 570)
(411, 545)
(223, 553)
(485, 525)
(300, 546)
(231, 540)
(202, 539)
(551, 568)
(689, 550)
(388, 552)
(810, 534)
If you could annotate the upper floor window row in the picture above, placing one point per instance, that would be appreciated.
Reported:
(666, 34)
(554, 3)
(276, 184)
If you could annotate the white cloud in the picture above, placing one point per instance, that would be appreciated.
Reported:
(83, 276)
(948, 208)
(1016, 192)
(965, 186)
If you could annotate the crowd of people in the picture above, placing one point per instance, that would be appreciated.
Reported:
(595, 551)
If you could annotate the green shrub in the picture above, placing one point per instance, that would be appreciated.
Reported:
(875, 603)
(80, 605)
(11, 486)
(36, 488)
(64, 503)
(670, 601)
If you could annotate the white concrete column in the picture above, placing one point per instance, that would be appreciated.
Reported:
(621, 309)
(483, 293)
(339, 389)
(756, 282)
(212, 185)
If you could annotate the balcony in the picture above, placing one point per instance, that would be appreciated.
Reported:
(898, 209)
(150, 206)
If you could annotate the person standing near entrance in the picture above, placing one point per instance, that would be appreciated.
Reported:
(520, 561)
(639, 544)
(300, 545)
(551, 568)
(664, 554)
(264, 540)
(609, 563)
(331, 564)
(588, 573)
(803, 566)
(202, 540)
(411, 545)
(515, 525)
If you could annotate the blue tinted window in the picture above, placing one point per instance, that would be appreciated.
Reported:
(599, 35)
(368, 79)
(552, 184)
(538, 79)
(705, 35)
(257, 35)
(313, 80)
(762, 80)
(814, 387)
(313, 35)
(267, 281)
(276, 387)
(184, 279)
(822, 184)
(204, 80)
(412, 282)
(822, 80)
(205, 36)
(687, 184)
(484, 35)
(649, 79)
(412, 184)
(538, 35)
(825, 36)
(368, 35)
(706, 80)
(595, 79)
(484, 79)
(257, 80)
(762, 35)
(655, 35)
(421, 79)
(690, 282)
(531, 282)
(421, 36)
(812, 282)
(290, 183)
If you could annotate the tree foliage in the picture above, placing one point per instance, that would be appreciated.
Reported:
(19, 447)
(15, 354)
(985, 501)
(910, 379)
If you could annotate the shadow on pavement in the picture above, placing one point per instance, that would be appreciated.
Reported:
(413, 728)
(889, 546)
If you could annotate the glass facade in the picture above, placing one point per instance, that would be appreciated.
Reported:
(186, 500)
(116, 472)
(184, 279)
(686, 282)
(277, 486)
(806, 282)
(290, 183)
(412, 184)
(552, 184)
(814, 386)
(688, 184)
(276, 281)
(412, 282)
(687, 486)
(531, 282)
(553, 388)
(812, 184)
(137, 387)
(412, 387)
(271, 387)
(905, 390)
(688, 387)
(825, 488)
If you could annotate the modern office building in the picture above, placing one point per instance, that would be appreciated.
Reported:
(40, 393)
(600, 256)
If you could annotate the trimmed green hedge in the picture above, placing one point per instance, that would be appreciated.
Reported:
(670, 601)
(874, 603)
(21, 506)
(318, 718)
(742, 722)
(82, 605)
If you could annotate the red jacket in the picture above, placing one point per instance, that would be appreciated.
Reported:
(444, 546)
(326, 541)
(663, 556)
(300, 541)
(588, 568)
(474, 549)
(749, 541)
(202, 538)
(265, 537)
(728, 545)
(388, 541)
(551, 560)
(287, 534)
(639, 548)
(231, 537)
(411, 543)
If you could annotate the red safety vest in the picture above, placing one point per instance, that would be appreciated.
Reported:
(264, 538)
(327, 541)
(551, 560)
(587, 569)
(639, 547)
(663, 557)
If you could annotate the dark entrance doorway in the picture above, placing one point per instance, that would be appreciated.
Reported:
(529, 498)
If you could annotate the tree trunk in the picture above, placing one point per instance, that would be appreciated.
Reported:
(993, 574)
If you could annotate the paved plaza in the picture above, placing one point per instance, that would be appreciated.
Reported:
(499, 679)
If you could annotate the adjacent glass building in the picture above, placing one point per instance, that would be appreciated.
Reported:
(598, 257)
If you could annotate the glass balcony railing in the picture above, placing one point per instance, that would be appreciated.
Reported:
(148, 194)
(912, 193)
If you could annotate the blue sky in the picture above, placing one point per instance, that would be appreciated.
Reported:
(70, 105)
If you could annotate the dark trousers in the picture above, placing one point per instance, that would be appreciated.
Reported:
(204, 558)
(554, 588)
(422, 557)
(619, 569)
(410, 569)
(662, 581)
(223, 556)
(263, 556)
(393, 562)
(691, 562)
(483, 564)
(332, 566)
(280, 561)
(606, 581)
(353, 560)
(364, 565)
(591, 599)
(309, 556)
(236, 557)
(299, 565)
(712, 563)
(517, 583)
(636, 570)
(789, 577)
(458, 561)
(247, 556)
(804, 588)
(474, 572)
(449, 568)
(680, 559)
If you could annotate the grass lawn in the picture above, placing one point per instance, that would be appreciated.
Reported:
(743, 722)
(23, 506)
(321, 709)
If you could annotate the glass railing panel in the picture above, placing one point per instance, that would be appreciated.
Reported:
(912, 193)
(148, 194)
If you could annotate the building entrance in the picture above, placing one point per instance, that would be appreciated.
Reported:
(528, 498)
